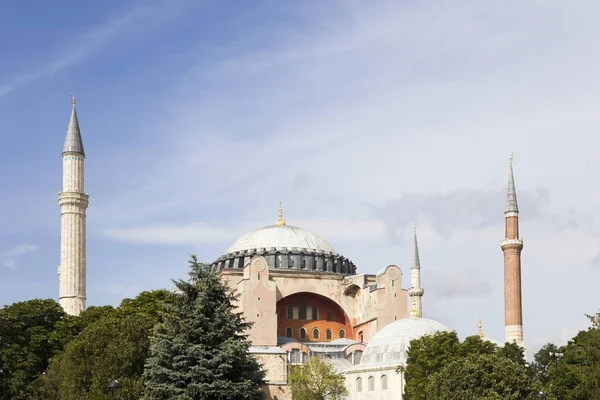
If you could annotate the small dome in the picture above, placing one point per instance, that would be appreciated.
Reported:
(389, 345)
(281, 236)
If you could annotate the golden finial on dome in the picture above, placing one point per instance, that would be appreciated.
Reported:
(414, 312)
(480, 328)
(280, 220)
(73, 101)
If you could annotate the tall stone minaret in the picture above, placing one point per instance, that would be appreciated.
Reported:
(73, 202)
(416, 291)
(511, 247)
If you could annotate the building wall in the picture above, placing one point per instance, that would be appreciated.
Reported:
(369, 302)
(313, 303)
(275, 366)
(395, 383)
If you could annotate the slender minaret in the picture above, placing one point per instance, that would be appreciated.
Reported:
(480, 326)
(73, 202)
(416, 291)
(511, 247)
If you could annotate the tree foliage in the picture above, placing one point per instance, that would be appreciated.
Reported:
(481, 376)
(200, 350)
(25, 348)
(573, 374)
(440, 366)
(113, 344)
(316, 380)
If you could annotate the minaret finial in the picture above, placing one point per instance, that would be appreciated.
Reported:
(480, 325)
(73, 142)
(416, 262)
(511, 198)
(280, 220)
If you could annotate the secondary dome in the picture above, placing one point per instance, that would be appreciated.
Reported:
(390, 345)
(280, 237)
(285, 247)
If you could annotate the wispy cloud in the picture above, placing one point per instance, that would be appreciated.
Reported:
(84, 44)
(9, 258)
(200, 233)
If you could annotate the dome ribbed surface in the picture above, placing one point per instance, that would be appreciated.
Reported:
(280, 236)
(389, 345)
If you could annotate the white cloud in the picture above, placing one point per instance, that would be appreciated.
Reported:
(390, 114)
(9, 259)
(199, 233)
(85, 44)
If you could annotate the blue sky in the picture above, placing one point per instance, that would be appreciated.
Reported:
(362, 117)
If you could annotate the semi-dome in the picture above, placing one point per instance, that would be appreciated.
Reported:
(285, 247)
(390, 345)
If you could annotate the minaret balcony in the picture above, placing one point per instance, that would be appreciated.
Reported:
(416, 292)
(511, 243)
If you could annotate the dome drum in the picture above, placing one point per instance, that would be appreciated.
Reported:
(294, 259)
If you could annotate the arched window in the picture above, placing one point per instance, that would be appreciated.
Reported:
(295, 356)
(371, 383)
(342, 334)
(383, 382)
(328, 334)
(315, 333)
(315, 313)
(359, 384)
(289, 332)
(357, 356)
(302, 333)
(290, 311)
(328, 316)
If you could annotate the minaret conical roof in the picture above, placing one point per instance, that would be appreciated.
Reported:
(511, 198)
(73, 142)
(416, 263)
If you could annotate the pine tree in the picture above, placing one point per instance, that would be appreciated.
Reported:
(200, 351)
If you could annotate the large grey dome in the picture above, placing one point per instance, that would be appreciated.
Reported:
(389, 345)
(285, 247)
(280, 237)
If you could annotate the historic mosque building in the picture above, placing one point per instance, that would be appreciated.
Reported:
(304, 298)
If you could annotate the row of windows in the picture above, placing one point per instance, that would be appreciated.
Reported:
(289, 332)
(302, 312)
(371, 382)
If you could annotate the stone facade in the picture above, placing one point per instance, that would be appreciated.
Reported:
(278, 301)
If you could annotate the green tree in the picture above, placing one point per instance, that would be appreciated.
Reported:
(70, 326)
(426, 356)
(475, 345)
(200, 350)
(430, 356)
(114, 345)
(316, 380)
(481, 376)
(25, 348)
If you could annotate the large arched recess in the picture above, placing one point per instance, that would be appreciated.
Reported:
(303, 307)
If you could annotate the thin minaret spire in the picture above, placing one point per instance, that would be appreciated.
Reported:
(511, 197)
(73, 203)
(512, 246)
(416, 291)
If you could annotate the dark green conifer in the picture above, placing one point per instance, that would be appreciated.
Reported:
(200, 350)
